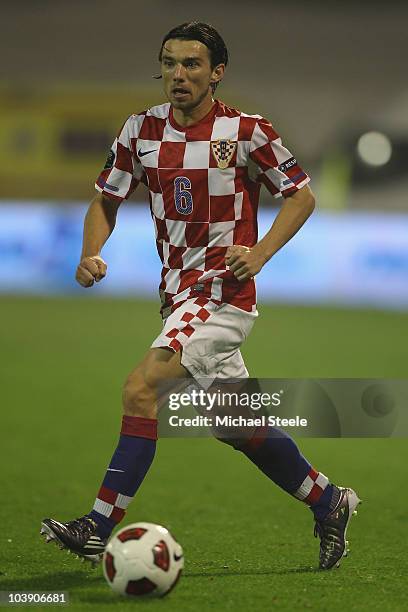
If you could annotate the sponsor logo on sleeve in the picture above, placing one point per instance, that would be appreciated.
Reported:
(111, 187)
(105, 185)
(109, 161)
(287, 164)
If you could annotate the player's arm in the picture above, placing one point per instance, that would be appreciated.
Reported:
(99, 223)
(295, 210)
(119, 178)
(282, 176)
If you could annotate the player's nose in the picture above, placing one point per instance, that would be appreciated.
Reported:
(179, 73)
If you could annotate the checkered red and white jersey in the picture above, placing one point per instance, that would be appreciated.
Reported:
(204, 183)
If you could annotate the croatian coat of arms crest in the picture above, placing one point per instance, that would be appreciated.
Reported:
(223, 150)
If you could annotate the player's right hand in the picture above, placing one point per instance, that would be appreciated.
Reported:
(90, 270)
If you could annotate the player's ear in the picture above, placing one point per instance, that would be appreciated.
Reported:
(218, 74)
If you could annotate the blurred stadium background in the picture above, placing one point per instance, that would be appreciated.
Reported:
(332, 78)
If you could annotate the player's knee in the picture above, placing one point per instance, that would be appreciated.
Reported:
(139, 399)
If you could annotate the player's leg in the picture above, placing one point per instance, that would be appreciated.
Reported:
(130, 462)
(137, 443)
(271, 449)
(277, 455)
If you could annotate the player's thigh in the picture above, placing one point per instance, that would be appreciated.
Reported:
(158, 365)
(149, 383)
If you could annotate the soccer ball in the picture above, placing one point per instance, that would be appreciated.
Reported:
(143, 559)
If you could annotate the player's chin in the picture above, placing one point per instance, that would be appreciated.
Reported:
(184, 104)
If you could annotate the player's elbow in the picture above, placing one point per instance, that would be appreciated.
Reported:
(310, 203)
(306, 200)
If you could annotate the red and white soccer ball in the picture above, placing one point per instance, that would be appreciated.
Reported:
(143, 559)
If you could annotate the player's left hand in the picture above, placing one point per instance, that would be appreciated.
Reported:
(243, 261)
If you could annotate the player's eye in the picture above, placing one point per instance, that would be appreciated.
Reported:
(191, 64)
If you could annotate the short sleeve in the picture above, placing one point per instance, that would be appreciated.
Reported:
(122, 171)
(278, 170)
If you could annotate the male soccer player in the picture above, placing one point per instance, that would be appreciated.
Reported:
(203, 164)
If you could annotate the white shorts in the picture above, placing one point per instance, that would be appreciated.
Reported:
(209, 337)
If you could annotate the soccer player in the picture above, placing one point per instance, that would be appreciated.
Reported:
(203, 163)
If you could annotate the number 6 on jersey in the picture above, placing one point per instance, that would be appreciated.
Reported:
(183, 198)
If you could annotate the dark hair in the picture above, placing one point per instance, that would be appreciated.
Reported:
(204, 33)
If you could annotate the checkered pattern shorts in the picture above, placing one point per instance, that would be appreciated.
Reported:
(209, 335)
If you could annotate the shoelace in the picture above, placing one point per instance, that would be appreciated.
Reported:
(328, 540)
(83, 527)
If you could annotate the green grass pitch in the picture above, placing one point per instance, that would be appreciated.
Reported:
(247, 544)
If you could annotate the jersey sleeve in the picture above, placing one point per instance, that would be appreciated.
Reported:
(278, 170)
(122, 171)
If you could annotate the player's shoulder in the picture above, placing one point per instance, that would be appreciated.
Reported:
(160, 111)
(230, 111)
(157, 113)
(248, 123)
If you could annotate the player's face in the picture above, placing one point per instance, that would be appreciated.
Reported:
(187, 73)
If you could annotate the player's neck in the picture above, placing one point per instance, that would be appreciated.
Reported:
(185, 118)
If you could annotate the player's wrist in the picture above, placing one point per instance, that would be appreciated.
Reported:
(262, 253)
(89, 254)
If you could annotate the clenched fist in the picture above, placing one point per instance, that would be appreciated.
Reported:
(243, 261)
(90, 270)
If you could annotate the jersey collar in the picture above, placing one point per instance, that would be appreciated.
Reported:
(208, 117)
